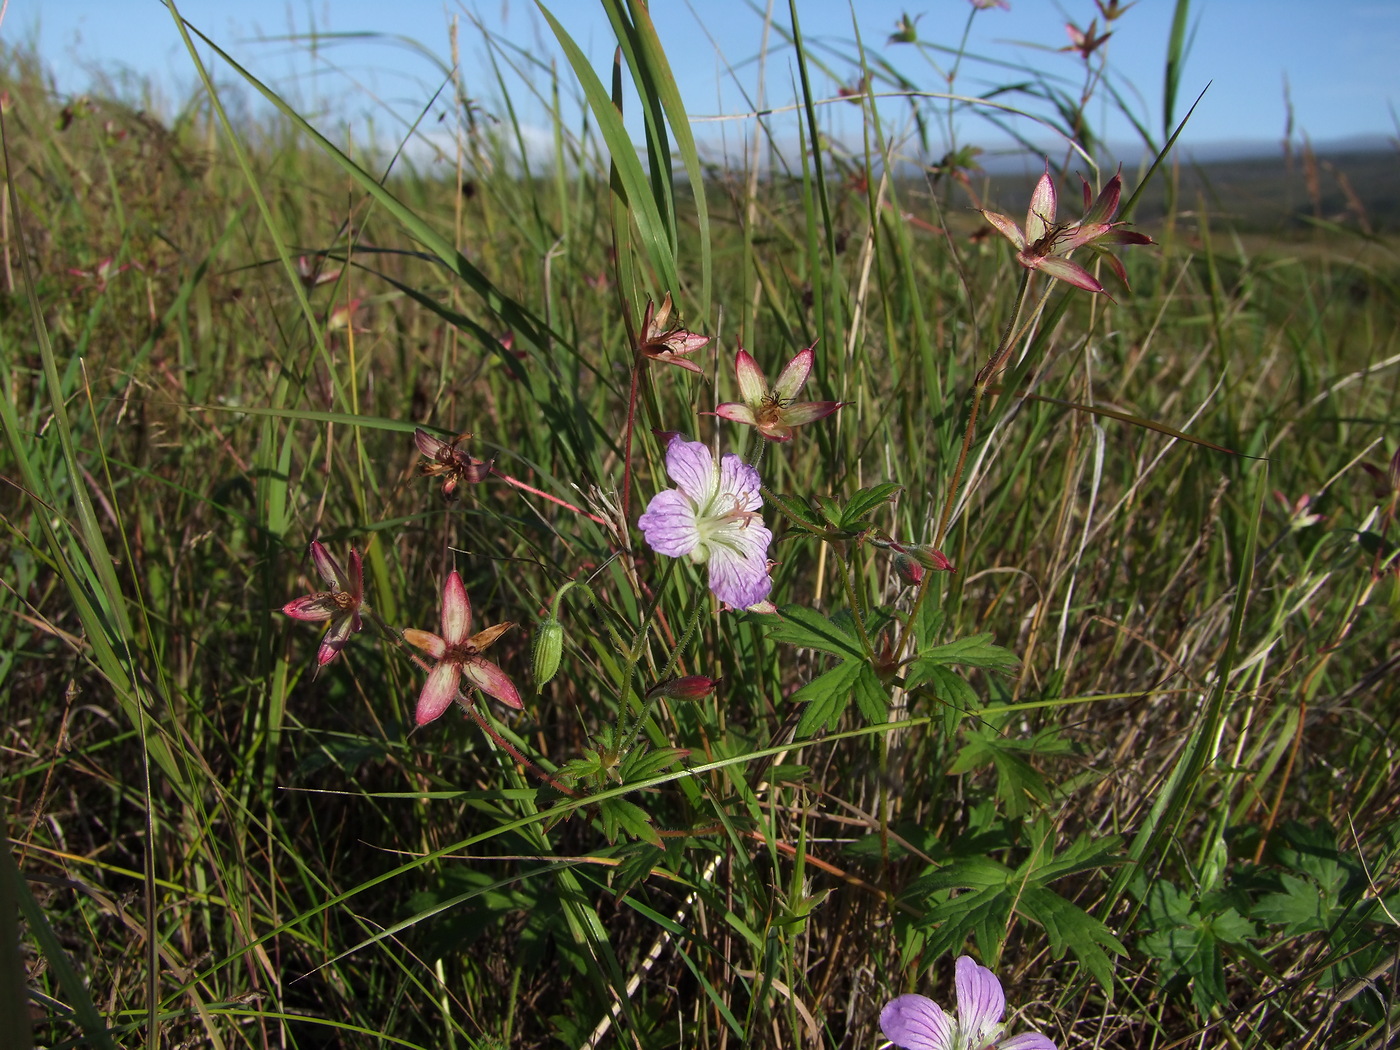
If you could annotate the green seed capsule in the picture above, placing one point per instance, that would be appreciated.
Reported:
(549, 647)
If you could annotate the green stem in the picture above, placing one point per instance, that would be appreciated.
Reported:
(634, 651)
(980, 383)
(692, 622)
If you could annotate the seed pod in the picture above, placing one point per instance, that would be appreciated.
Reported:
(549, 647)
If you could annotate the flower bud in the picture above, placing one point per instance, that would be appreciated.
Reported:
(549, 647)
(690, 687)
(929, 558)
(907, 569)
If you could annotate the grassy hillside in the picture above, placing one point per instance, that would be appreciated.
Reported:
(1078, 652)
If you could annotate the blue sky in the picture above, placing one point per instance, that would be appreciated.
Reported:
(1338, 57)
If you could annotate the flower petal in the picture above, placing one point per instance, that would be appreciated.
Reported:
(741, 481)
(1007, 227)
(916, 1022)
(1069, 272)
(428, 444)
(328, 567)
(980, 1001)
(666, 358)
(1027, 1041)
(682, 342)
(794, 375)
(810, 411)
(427, 641)
(736, 413)
(1106, 206)
(753, 385)
(456, 611)
(356, 579)
(342, 627)
(438, 692)
(692, 468)
(491, 680)
(312, 607)
(669, 523)
(738, 557)
(1041, 214)
(482, 639)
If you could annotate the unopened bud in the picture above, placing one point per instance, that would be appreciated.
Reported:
(690, 687)
(1395, 472)
(549, 647)
(907, 569)
(929, 558)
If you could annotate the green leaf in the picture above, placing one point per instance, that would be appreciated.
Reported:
(652, 230)
(811, 630)
(620, 815)
(872, 698)
(831, 511)
(863, 502)
(975, 650)
(1018, 783)
(798, 512)
(992, 893)
(1302, 907)
(1186, 942)
(641, 764)
(827, 696)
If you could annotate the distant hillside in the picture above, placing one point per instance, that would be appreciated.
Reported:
(1265, 194)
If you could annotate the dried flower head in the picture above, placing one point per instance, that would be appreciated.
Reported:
(774, 410)
(1045, 245)
(340, 604)
(447, 461)
(458, 654)
(662, 341)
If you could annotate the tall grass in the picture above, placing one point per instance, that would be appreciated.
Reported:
(1136, 754)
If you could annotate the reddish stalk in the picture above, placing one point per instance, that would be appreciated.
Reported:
(516, 482)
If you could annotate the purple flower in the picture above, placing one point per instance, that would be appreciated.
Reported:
(711, 515)
(340, 605)
(915, 1022)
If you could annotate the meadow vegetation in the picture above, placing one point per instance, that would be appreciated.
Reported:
(1136, 751)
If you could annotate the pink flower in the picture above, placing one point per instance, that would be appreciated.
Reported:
(102, 273)
(772, 409)
(458, 653)
(915, 1022)
(448, 462)
(1086, 43)
(1045, 245)
(669, 344)
(340, 605)
(987, 5)
(342, 318)
(711, 517)
(315, 273)
(1299, 516)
